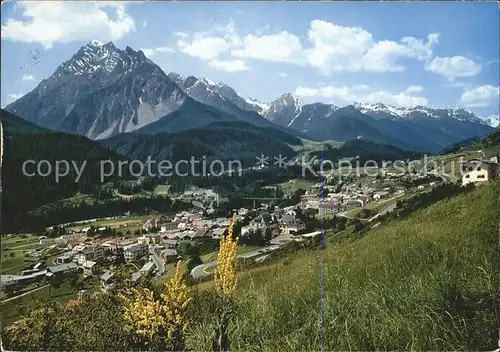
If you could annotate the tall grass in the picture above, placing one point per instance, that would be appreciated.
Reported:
(428, 282)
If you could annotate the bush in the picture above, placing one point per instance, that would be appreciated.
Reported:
(193, 262)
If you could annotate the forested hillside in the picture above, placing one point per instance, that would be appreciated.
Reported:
(22, 193)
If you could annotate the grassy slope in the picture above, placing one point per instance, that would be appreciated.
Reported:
(12, 310)
(291, 187)
(428, 282)
(19, 246)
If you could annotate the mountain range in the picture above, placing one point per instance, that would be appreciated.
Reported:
(103, 91)
(417, 128)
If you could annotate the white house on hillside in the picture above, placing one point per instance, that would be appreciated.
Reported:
(477, 170)
(380, 195)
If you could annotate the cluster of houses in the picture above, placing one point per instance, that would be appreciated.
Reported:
(279, 222)
(355, 195)
(350, 197)
(187, 226)
(156, 247)
(338, 202)
(193, 226)
(36, 274)
(201, 195)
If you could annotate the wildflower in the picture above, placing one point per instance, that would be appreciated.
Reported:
(176, 299)
(225, 284)
(225, 273)
(152, 321)
(143, 315)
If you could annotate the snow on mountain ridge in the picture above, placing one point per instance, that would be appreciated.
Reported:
(493, 121)
(209, 92)
(96, 43)
(263, 106)
(95, 56)
(409, 112)
(101, 91)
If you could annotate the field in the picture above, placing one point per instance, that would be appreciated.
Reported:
(427, 282)
(15, 248)
(374, 207)
(162, 190)
(14, 252)
(295, 184)
(120, 223)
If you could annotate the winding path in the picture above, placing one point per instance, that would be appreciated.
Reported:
(23, 294)
(387, 209)
(201, 270)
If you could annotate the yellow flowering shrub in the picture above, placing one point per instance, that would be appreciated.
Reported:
(158, 321)
(225, 272)
(176, 298)
(143, 314)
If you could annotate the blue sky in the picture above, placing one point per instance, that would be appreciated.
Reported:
(443, 54)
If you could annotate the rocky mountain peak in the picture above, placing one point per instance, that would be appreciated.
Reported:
(101, 91)
(219, 95)
(96, 57)
(290, 98)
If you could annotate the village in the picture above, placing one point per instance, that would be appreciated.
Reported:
(93, 253)
(149, 245)
(72, 260)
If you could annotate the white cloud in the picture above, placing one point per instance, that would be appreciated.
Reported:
(207, 48)
(50, 22)
(414, 89)
(282, 74)
(283, 47)
(12, 97)
(456, 84)
(335, 46)
(15, 96)
(421, 50)
(328, 47)
(181, 34)
(453, 67)
(28, 77)
(386, 55)
(381, 57)
(153, 51)
(229, 65)
(480, 96)
(145, 23)
(208, 45)
(361, 93)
